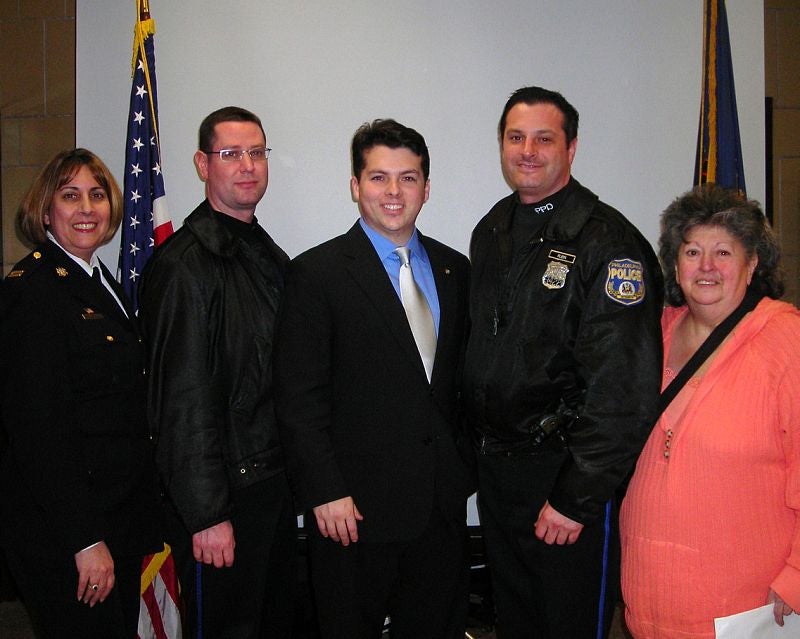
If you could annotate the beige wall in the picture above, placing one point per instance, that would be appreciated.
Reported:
(37, 99)
(782, 76)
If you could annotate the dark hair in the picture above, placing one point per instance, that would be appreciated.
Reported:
(205, 137)
(538, 95)
(713, 205)
(387, 133)
(56, 173)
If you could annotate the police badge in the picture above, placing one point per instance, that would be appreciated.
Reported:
(556, 275)
(625, 282)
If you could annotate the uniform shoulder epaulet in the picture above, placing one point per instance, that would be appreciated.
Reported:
(23, 269)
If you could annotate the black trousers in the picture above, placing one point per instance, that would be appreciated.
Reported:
(254, 598)
(543, 591)
(422, 584)
(48, 585)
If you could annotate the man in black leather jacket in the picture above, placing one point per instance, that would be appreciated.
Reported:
(562, 376)
(209, 298)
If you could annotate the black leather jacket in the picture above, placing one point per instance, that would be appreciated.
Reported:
(571, 326)
(208, 303)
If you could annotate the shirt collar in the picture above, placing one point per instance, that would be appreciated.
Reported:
(385, 247)
(93, 261)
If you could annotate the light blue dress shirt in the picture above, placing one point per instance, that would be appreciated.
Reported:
(420, 266)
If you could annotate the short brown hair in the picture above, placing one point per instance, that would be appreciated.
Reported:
(206, 135)
(713, 205)
(388, 133)
(538, 95)
(56, 173)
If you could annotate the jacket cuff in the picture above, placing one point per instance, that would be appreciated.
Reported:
(787, 586)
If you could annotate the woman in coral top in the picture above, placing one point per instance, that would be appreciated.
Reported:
(711, 522)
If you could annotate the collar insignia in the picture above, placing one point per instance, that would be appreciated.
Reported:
(61, 271)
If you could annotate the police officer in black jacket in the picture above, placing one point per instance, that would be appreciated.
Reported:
(79, 502)
(562, 376)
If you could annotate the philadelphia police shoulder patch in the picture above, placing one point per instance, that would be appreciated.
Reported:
(625, 282)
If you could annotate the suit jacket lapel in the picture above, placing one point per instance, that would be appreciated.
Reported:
(368, 272)
(129, 315)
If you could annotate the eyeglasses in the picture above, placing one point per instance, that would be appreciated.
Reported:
(235, 155)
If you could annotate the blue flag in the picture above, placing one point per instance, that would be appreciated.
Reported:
(146, 222)
(719, 147)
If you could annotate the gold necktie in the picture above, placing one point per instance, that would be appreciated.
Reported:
(419, 315)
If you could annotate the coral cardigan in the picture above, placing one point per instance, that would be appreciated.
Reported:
(711, 520)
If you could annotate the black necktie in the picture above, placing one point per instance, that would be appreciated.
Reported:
(97, 277)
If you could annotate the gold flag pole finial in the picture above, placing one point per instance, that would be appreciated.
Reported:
(145, 27)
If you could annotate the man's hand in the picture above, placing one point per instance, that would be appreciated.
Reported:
(337, 520)
(780, 609)
(215, 545)
(554, 528)
(95, 573)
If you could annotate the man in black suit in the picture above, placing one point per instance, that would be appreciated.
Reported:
(368, 418)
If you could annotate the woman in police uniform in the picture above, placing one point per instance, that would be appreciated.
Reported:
(78, 498)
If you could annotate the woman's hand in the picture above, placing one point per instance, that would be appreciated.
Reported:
(95, 573)
(781, 609)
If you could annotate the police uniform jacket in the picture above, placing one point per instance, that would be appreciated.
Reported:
(76, 466)
(208, 301)
(570, 326)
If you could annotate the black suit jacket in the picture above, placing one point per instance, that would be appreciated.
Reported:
(357, 414)
(77, 466)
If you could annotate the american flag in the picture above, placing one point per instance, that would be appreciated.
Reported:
(159, 606)
(146, 222)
